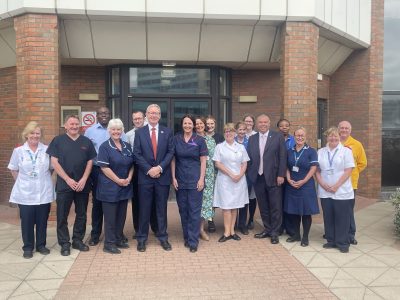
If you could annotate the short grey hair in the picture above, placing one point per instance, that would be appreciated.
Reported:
(115, 123)
(153, 105)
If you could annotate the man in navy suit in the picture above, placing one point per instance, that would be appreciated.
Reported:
(266, 170)
(153, 150)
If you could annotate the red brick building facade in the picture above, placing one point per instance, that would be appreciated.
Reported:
(39, 84)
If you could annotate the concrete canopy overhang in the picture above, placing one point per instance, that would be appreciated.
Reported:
(197, 33)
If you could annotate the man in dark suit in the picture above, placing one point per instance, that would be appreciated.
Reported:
(153, 150)
(266, 170)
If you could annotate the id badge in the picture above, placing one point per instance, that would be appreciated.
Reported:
(33, 175)
(329, 172)
(295, 169)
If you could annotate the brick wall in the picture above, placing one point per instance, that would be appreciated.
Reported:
(299, 61)
(263, 84)
(356, 95)
(10, 134)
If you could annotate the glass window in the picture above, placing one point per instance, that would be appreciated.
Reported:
(391, 112)
(391, 73)
(223, 114)
(115, 107)
(115, 82)
(169, 80)
(195, 108)
(222, 83)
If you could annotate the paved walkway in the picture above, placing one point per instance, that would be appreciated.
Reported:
(248, 269)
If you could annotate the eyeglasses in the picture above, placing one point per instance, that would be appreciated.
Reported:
(153, 113)
(137, 119)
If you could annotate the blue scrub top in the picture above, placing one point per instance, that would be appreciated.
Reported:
(120, 162)
(187, 160)
(290, 142)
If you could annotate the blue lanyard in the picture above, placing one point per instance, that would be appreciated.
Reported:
(33, 160)
(333, 156)
(297, 158)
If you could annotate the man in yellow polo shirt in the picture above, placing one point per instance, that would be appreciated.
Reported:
(360, 161)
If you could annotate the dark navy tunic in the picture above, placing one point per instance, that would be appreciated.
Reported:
(120, 162)
(302, 201)
(187, 160)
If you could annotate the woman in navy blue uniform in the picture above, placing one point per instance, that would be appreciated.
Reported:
(114, 186)
(300, 194)
(188, 171)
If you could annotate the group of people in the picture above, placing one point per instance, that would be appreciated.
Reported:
(246, 165)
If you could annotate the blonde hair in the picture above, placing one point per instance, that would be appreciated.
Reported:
(30, 127)
(332, 130)
(229, 127)
(299, 128)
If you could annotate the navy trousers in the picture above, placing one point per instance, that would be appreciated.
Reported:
(352, 231)
(64, 202)
(270, 205)
(97, 208)
(31, 216)
(337, 221)
(189, 203)
(114, 221)
(153, 194)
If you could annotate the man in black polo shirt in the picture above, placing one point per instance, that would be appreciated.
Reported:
(71, 156)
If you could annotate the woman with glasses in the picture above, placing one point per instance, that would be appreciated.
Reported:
(230, 191)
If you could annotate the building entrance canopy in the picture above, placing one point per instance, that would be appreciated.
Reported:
(230, 33)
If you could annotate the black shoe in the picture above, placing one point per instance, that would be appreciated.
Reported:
(235, 237)
(193, 249)
(304, 242)
(65, 250)
(274, 240)
(244, 230)
(28, 254)
(93, 241)
(250, 225)
(211, 227)
(292, 239)
(328, 245)
(124, 238)
(79, 245)
(224, 238)
(166, 245)
(43, 250)
(353, 241)
(141, 246)
(344, 250)
(262, 235)
(122, 245)
(111, 250)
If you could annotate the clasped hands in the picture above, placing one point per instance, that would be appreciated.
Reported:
(154, 172)
(76, 186)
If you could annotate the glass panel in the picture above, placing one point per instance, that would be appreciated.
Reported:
(391, 59)
(143, 104)
(169, 80)
(222, 83)
(391, 112)
(115, 81)
(181, 108)
(115, 107)
(223, 114)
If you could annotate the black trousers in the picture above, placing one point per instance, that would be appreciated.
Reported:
(114, 221)
(353, 229)
(293, 225)
(97, 208)
(270, 205)
(64, 202)
(241, 220)
(135, 207)
(153, 194)
(31, 216)
(337, 221)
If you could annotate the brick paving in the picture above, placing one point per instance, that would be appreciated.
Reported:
(248, 269)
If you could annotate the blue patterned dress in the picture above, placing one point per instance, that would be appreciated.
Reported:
(207, 211)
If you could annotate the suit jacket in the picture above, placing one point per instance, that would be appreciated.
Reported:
(274, 158)
(144, 157)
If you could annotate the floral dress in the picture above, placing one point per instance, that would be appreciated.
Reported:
(207, 211)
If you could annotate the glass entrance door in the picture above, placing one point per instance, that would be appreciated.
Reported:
(172, 109)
